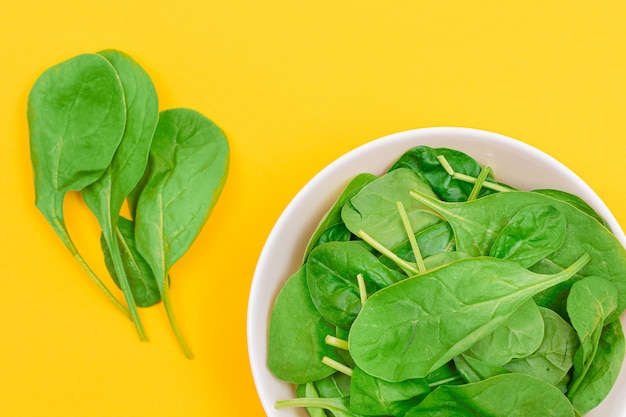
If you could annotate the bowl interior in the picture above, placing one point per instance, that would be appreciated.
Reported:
(513, 162)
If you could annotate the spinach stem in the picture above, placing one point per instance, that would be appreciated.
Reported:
(467, 178)
(167, 304)
(480, 181)
(336, 342)
(407, 267)
(362, 289)
(419, 260)
(445, 381)
(338, 366)
(61, 230)
(118, 265)
(332, 404)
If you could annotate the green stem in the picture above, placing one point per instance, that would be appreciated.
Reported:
(409, 232)
(167, 304)
(467, 178)
(480, 182)
(332, 404)
(118, 264)
(445, 381)
(407, 267)
(59, 227)
(338, 366)
(362, 289)
(336, 342)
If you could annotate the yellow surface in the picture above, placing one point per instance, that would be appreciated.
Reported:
(294, 84)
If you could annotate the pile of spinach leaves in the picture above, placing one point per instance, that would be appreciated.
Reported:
(95, 128)
(433, 290)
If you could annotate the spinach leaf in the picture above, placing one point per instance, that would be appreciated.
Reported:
(336, 385)
(477, 224)
(297, 332)
(553, 359)
(140, 277)
(590, 302)
(533, 233)
(507, 395)
(415, 322)
(76, 119)
(475, 370)
(106, 196)
(575, 201)
(374, 208)
(332, 270)
(331, 224)
(423, 161)
(518, 337)
(604, 369)
(188, 165)
(373, 396)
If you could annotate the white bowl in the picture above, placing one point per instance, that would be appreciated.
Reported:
(513, 162)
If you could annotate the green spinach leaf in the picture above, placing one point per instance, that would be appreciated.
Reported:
(76, 120)
(374, 208)
(604, 369)
(507, 395)
(553, 359)
(533, 233)
(518, 337)
(416, 320)
(140, 276)
(297, 332)
(590, 302)
(373, 396)
(188, 165)
(423, 161)
(106, 196)
(331, 227)
(332, 270)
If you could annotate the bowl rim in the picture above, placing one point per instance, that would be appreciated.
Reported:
(257, 312)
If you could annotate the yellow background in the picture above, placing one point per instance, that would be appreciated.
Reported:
(294, 84)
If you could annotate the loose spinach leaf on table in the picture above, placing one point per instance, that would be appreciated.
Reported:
(187, 169)
(415, 322)
(106, 196)
(76, 120)
(507, 395)
(140, 276)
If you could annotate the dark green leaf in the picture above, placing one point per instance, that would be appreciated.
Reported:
(332, 270)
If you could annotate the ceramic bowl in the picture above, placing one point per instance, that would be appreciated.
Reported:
(513, 162)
